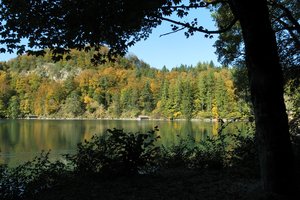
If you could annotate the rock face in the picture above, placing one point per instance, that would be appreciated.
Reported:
(53, 72)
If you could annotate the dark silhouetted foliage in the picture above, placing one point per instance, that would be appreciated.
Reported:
(117, 152)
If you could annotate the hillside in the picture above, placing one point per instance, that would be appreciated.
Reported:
(125, 88)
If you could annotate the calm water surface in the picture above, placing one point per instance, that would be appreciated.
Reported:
(22, 140)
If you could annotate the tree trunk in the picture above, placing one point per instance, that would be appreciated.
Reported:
(266, 85)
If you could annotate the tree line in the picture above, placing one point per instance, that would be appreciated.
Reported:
(126, 88)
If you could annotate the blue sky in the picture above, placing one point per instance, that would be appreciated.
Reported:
(173, 49)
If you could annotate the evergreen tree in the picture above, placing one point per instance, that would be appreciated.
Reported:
(164, 69)
(201, 94)
(164, 96)
(221, 99)
(2, 109)
(146, 99)
(187, 100)
(13, 107)
(73, 106)
(115, 106)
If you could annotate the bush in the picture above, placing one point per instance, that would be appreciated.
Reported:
(178, 155)
(245, 155)
(30, 178)
(214, 152)
(209, 153)
(117, 152)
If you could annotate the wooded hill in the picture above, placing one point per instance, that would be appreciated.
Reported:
(125, 88)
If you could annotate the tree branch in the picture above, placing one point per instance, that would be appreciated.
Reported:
(290, 30)
(172, 32)
(288, 14)
(200, 29)
(195, 5)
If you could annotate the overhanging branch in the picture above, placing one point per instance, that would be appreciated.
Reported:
(200, 29)
(195, 5)
(172, 32)
(290, 30)
(288, 14)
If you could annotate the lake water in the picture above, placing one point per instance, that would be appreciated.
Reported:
(22, 140)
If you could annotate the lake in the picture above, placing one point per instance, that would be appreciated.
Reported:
(22, 140)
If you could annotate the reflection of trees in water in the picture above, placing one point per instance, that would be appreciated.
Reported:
(8, 139)
(28, 137)
(215, 128)
(174, 131)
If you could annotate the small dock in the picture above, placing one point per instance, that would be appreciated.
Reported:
(143, 117)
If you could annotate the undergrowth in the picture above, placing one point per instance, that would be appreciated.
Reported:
(117, 153)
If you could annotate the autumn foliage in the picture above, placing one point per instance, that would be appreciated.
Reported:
(125, 88)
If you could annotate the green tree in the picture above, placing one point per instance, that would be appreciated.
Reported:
(73, 106)
(164, 97)
(13, 107)
(2, 109)
(115, 107)
(125, 99)
(187, 106)
(202, 91)
(69, 85)
(210, 89)
(146, 98)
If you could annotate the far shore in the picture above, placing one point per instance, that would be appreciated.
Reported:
(222, 120)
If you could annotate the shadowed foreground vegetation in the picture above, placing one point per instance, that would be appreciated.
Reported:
(119, 165)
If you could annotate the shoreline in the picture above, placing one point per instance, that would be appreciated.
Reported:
(222, 120)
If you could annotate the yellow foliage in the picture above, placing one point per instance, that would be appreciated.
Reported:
(215, 129)
(158, 105)
(214, 111)
(154, 86)
(177, 114)
(4, 86)
(25, 106)
(87, 99)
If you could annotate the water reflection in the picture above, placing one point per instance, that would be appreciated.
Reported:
(21, 140)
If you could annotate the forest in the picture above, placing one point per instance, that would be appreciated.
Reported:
(126, 88)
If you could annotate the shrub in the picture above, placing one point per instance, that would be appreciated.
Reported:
(245, 155)
(214, 152)
(210, 154)
(178, 155)
(28, 179)
(117, 152)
